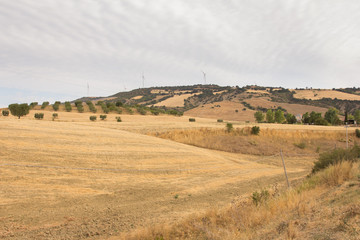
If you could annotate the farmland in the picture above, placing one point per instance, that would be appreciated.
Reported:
(73, 178)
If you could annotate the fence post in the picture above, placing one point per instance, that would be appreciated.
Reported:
(282, 158)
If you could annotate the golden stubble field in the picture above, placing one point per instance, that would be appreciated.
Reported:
(74, 179)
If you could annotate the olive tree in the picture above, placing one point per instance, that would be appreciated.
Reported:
(19, 110)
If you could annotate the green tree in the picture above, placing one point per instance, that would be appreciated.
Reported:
(56, 105)
(290, 118)
(357, 116)
(259, 116)
(331, 116)
(19, 110)
(306, 118)
(68, 107)
(279, 116)
(314, 116)
(270, 116)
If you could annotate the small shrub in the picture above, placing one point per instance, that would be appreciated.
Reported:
(54, 116)
(44, 105)
(357, 133)
(118, 119)
(5, 113)
(191, 119)
(142, 111)
(103, 117)
(229, 127)
(260, 197)
(176, 196)
(336, 156)
(93, 118)
(220, 120)
(39, 115)
(236, 111)
(301, 145)
(255, 130)
(317, 149)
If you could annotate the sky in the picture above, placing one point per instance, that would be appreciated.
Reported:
(62, 50)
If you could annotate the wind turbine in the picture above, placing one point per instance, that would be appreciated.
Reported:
(204, 76)
(143, 80)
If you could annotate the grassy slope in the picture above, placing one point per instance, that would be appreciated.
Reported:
(325, 206)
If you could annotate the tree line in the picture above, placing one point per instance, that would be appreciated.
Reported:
(331, 117)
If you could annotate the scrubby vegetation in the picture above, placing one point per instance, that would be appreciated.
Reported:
(92, 118)
(55, 116)
(118, 119)
(336, 156)
(357, 133)
(273, 214)
(103, 117)
(192, 120)
(229, 127)
(5, 113)
(255, 130)
(39, 116)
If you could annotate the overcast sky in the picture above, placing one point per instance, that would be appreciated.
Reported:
(52, 50)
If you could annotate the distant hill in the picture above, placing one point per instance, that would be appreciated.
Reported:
(237, 103)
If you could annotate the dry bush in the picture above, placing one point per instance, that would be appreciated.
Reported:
(338, 173)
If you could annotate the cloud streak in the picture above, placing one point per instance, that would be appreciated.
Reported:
(60, 46)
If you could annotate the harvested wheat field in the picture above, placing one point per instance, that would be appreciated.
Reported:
(319, 94)
(76, 179)
(225, 110)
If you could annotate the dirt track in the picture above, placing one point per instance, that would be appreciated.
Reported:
(71, 180)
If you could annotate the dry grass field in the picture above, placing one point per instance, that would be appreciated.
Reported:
(76, 179)
(319, 94)
(175, 101)
(291, 108)
(226, 111)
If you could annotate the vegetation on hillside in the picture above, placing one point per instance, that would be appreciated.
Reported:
(272, 214)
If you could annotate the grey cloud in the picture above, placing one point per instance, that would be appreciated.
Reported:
(109, 43)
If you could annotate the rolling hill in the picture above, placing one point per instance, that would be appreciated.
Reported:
(237, 103)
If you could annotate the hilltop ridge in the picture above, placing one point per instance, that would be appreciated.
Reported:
(237, 103)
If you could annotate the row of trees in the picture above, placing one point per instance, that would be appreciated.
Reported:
(331, 117)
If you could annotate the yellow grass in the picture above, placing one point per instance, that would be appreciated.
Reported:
(284, 216)
(175, 101)
(76, 179)
(319, 94)
(269, 141)
(226, 111)
(295, 109)
(72, 178)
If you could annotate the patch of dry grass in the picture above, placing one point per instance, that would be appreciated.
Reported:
(269, 141)
(284, 216)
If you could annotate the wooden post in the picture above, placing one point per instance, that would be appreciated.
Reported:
(282, 158)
